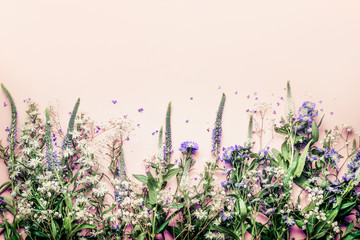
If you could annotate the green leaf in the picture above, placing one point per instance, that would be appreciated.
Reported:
(53, 228)
(141, 236)
(301, 161)
(228, 232)
(285, 151)
(353, 235)
(141, 178)
(299, 223)
(280, 131)
(302, 181)
(178, 205)
(171, 173)
(152, 186)
(314, 132)
(243, 209)
(349, 228)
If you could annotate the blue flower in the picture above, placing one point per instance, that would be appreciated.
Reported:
(228, 154)
(242, 184)
(270, 210)
(288, 220)
(307, 112)
(348, 176)
(226, 215)
(189, 147)
(332, 155)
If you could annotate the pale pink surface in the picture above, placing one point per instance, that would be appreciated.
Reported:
(145, 54)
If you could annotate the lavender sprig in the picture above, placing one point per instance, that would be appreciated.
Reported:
(216, 136)
(12, 132)
(68, 136)
(51, 157)
(168, 144)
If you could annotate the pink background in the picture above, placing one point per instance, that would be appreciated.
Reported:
(147, 53)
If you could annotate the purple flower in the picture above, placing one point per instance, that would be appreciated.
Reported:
(270, 210)
(288, 220)
(140, 110)
(332, 155)
(114, 101)
(191, 98)
(348, 176)
(189, 147)
(227, 171)
(242, 184)
(307, 112)
(226, 215)
(5, 104)
(186, 121)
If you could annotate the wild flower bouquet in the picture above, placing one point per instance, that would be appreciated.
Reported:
(60, 189)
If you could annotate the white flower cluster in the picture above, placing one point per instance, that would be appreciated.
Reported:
(164, 197)
(332, 137)
(316, 195)
(212, 235)
(348, 128)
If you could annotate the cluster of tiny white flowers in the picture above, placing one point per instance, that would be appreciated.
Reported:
(332, 137)
(164, 196)
(348, 128)
(24, 207)
(316, 195)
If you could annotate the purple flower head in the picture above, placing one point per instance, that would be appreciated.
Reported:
(348, 176)
(332, 156)
(114, 101)
(242, 184)
(307, 112)
(228, 154)
(189, 147)
(263, 154)
(140, 110)
(227, 171)
(5, 104)
(226, 215)
(225, 184)
(270, 210)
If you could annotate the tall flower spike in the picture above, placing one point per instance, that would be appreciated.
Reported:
(290, 112)
(122, 167)
(12, 133)
(68, 136)
(217, 129)
(248, 142)
(50, 154)
(168, 144)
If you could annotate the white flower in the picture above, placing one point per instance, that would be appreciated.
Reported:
(92, 179)
(200, 214)
(26, 150)
(68, 152)
(210, 235)
(100, 190)
(76, 134)
(88, 161)
(34, 162)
